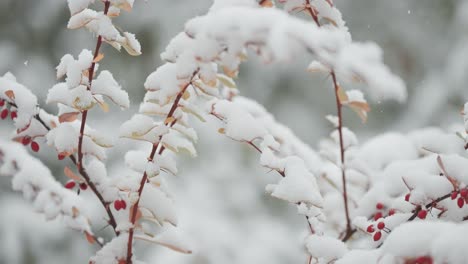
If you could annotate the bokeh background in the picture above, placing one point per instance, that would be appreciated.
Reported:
(220, 194)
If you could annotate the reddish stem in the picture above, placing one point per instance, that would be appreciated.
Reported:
(79, 162)
(339, 107)
(134, 210)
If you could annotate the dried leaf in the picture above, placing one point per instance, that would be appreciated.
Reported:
(361, 108)
(104, 106)
(70, 174)
(75, 212)
(68, 117)
(10, 94)
(222, 130)
(186, 95)
(90, 238)
(266, 3)
(169, 120)
(171, 246)
(453, 181)
(342, 96)
(98, 58)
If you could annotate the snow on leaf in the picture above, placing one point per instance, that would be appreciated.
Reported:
(298, 185)
(106, 85)
(131, 44)
(81, 19)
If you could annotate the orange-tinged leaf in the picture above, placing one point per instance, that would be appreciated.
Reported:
(186, 95)
(222, 130)
(10, 94)
(360, 105)
(90, 238)
(169, 120)
(104, 106)
(70, 174)
(68, 117)
(342, 96)
(266, 3)
(75, 211)
(98, 58)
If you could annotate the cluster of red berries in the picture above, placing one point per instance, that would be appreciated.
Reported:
(120, 204)
(379, 214)
(463, 199)
(4, 113)
(377, 234)
(421, 260)
(71, 184)
(28, 141)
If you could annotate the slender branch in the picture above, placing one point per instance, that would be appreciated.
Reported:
(349, 231)
(339, 107)
(79, 162)
(144, 179)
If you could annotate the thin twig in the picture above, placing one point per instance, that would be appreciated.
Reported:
(144, 179)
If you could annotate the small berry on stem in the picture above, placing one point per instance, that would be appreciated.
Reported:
(26, 140)
(422, 214)
(34, 146)
(460, 202)
(381, 225)
(4, 114)
(378, 215)
(70, 184)
(454, 195)
(379, 206)
(370, 229)
(83, 186)
(407, 196)
(377, 236)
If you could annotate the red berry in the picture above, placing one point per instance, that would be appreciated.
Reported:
(83, 186)
(422, 214)
(26, 141)
(391, 212)
(454, 195)
(460, 202)
(377, 216)
(381, 225)
(117, 205)
(423, 260)
(370, 229)
(123, 204)
(464, 193)
(13, 115)
(70, 185)
(61, 156)
(34, 146)
(377, 236)
(4, 114)
(407, 196)
(379, 206)
(2, 103)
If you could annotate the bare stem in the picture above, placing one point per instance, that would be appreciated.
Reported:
(144, 179)
(79, 162)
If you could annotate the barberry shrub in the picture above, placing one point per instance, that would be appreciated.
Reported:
(396, 198)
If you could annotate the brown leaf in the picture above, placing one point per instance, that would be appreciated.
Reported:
(342, 96)
(104, 106)
(70, 174)
(75, 212)
(266, 3)
(169, 120)
(68, 117)
(98, 58)
(10, 94)
(90, 238)
(453, 181)
(222, 130)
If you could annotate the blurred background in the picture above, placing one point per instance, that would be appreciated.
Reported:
(220, 195)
